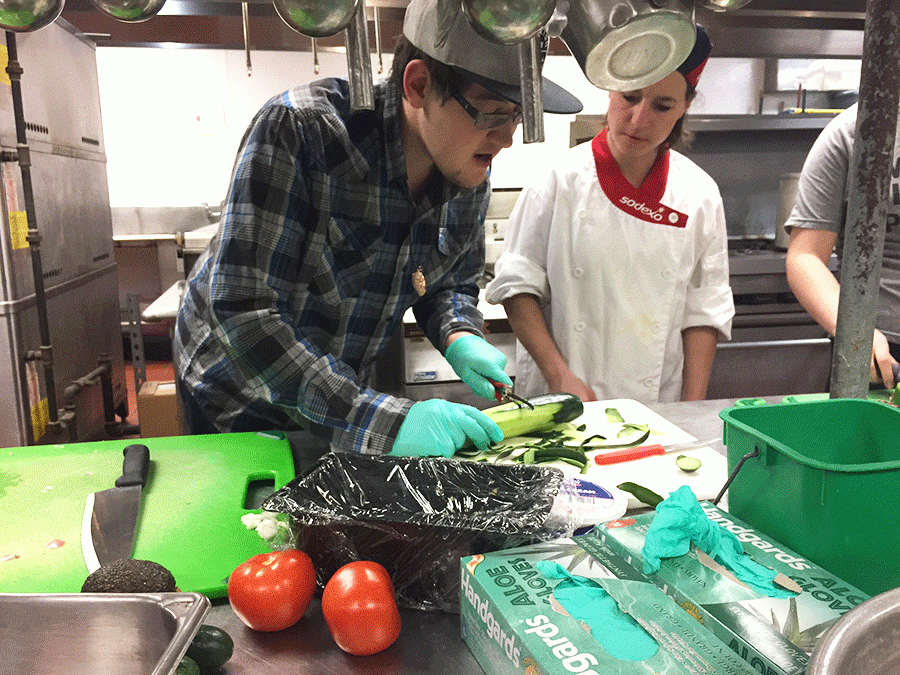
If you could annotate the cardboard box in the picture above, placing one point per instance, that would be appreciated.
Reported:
(159, 410)
(511, 624)
(776, 636)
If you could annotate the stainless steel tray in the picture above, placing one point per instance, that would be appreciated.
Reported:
(91, 633)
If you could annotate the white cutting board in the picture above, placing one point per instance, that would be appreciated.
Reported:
(658, 473)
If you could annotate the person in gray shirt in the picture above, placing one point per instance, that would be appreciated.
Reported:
(816, 226)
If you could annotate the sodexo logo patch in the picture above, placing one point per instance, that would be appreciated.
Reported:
(657, 213)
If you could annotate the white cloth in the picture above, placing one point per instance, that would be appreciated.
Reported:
(618, 287)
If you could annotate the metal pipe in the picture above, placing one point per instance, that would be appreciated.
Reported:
(245, 21)
(14, 69)
(876, 126)
(532, 90)
(359, 66)
(315, 53)
(377, 38)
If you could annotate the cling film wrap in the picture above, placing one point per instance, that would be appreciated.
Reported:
(417, 517)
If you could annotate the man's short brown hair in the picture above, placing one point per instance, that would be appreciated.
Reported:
(445, 79)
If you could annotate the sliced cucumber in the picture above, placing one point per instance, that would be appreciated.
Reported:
(687, 463)
(549, 409)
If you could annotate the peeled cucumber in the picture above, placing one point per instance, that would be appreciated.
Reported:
(549, 409)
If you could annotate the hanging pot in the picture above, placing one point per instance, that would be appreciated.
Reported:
(622, 45)
(129, 11)
(724, 5)
(316, 18)
(508, 21)
(25, 16)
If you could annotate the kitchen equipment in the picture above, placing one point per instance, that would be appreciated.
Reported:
(90, 633)
(359, 60)
(623, 45)
(60, 92)
(641, 451)
(787, 195)
(319, 19)
(826, 482)
(24, 16)
(110, 516)
(508, 21)
(504, 393)
(199, 488)
(316, 18)
(130, 11)
(724, 5)
(863, 641)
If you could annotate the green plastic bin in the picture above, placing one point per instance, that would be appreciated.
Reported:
(826, 483)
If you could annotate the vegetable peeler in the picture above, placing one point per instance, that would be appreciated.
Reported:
(504, 394)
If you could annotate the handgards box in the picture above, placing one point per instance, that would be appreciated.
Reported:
(511, 624)
(775, 636)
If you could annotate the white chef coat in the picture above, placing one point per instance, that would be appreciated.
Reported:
(619, 271)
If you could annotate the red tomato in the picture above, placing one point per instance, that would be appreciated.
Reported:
(271, 591)
(360, 608)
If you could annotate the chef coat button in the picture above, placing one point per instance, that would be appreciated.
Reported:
(581, 215)
(655, 328)
(578, 272)
(648, 382)
(579, 326)
(666, 274)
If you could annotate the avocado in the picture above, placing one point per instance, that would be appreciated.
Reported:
(130, 576)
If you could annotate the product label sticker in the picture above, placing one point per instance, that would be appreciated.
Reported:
(40, 408)
(4, 62)
(18, 220)
(18, 229)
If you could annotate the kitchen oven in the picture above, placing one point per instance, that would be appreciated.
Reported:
(776, 347)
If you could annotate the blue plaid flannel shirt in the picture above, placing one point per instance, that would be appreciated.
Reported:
(310, 272)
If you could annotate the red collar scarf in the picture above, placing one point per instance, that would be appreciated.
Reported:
(643, 202)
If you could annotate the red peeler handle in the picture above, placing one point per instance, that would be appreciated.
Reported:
(627, 454)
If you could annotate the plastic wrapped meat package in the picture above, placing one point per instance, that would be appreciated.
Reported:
(418, 516)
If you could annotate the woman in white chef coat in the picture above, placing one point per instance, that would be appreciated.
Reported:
(615, 272)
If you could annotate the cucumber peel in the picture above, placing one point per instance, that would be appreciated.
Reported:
(641, 493)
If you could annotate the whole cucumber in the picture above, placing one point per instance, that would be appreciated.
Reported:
(549, 409)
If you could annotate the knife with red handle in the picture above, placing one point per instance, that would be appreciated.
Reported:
(641, 451)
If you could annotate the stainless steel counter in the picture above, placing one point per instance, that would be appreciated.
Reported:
(430, 642)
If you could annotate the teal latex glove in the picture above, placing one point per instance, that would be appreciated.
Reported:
(476, 362)
(584, 599)
(680, 520)
(437, 428)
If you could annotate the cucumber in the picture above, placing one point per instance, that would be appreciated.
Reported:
(687, 463)
(549, 409)
(210, 648)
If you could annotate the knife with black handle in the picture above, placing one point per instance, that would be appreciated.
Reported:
(111, 516)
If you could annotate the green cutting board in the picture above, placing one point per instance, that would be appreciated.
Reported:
(197, 490)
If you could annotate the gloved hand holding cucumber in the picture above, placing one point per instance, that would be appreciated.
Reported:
(440, 428)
